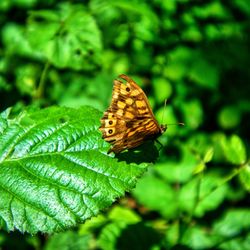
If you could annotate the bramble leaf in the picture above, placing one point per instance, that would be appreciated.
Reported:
(54, 170)
(67, 37)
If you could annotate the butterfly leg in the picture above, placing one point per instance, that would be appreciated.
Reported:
(161, 145)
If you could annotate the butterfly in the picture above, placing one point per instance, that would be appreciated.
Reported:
(129, 120)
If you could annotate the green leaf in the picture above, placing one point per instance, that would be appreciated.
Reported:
(167, 115)
(233, 223)
(229, 117)
(162, 89)
(16, 43)
(213, 9)
(234, 149)
(55, 172)
(208, 155)
(230, 232)
(245, 176)
(126, 215)
(199, 168)
(68, 37)
(3, 119)
(238, 243)
(243, 5)
(27, 76)
(179, 63)
(69, 240)
(193, 34)
(172, 234)
(91, 225)
(204, 74)
(178, 171)
(119, 235)
(201, 195)
(110, 234)
(197, 237)
(195, 119)
(156, 195)
(211, 195)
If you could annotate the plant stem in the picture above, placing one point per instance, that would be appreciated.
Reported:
(41, 85)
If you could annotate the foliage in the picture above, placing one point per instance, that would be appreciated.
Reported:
(52, 174)
(54, 169)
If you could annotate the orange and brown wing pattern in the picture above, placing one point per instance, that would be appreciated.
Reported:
(129, 120)
(135, 136)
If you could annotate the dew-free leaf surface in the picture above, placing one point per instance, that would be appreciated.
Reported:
(54, 169)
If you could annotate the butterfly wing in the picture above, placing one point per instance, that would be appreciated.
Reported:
(135, 136)
(129, 120)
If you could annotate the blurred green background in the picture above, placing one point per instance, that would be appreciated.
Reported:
(195, 54)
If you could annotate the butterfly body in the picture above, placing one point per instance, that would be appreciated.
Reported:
(129, 120)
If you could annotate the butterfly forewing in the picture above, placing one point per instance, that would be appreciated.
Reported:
(129, 120)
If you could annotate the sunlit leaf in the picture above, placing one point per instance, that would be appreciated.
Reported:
(69, 240)
(234, 149)
(55, 171)
(119, 235)
(68, 37)
(229, 117)
(233, 223)
(156, 195)
(245, 176)
(209, 155)
(124, 214)
(202, 195)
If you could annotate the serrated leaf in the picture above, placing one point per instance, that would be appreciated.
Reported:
(54, 170)
(3, 120)
(68, 37)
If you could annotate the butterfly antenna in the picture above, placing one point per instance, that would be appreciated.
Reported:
(171, 124)
(164, 111)
(178, 124)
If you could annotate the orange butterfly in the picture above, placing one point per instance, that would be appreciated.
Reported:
(129, 120)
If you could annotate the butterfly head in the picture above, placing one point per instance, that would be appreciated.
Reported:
(163, 128)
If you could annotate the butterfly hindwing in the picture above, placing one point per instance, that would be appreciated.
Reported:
(135, 136)
(112, 127)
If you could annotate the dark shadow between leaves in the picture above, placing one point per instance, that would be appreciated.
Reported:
(147, 152)
(138, 236)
